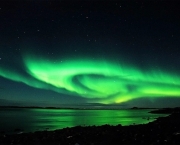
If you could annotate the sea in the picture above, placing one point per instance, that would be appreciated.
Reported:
(18, 120)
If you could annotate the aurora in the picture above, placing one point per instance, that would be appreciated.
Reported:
(101, 81)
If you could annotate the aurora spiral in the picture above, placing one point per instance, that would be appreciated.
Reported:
(104, 81)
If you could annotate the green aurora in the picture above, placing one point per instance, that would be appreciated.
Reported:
(99, 81)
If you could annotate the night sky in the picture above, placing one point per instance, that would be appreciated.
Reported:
(90, 53)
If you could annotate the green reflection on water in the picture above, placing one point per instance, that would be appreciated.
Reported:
(62, 118)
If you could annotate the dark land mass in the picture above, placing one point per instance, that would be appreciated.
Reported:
(76, 108)
(164, 130)
(166, 110)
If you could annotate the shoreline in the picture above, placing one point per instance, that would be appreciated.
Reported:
(164, 130)
(24, 129)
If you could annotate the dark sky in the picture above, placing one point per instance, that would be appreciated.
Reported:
(71, 53)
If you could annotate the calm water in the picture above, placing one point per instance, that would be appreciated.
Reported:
(41, 119)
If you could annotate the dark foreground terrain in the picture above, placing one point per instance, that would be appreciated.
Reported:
(165, 130)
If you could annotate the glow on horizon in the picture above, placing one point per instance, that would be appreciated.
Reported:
(99, 81)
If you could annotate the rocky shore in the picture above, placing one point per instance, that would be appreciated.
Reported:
(165, 130)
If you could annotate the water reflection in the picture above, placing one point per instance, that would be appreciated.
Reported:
(51, 119)
(55, 119)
